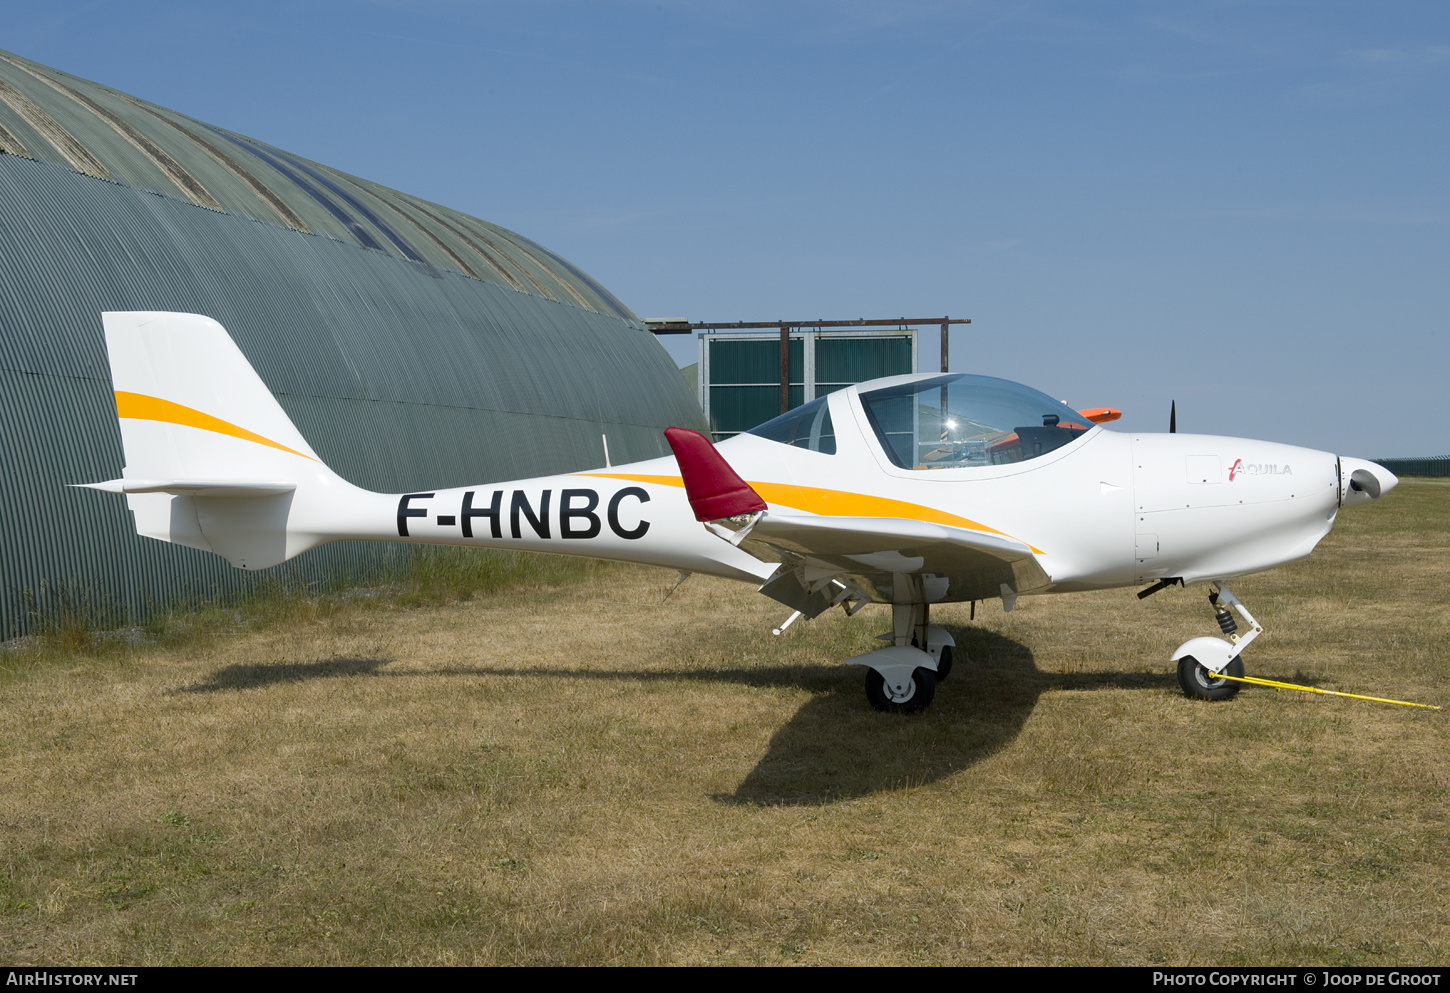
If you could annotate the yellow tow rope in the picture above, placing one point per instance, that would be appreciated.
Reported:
(1275, 684)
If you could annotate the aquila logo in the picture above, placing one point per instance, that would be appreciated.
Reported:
(1257, 469)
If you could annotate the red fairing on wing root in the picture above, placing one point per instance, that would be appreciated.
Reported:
(714, 489)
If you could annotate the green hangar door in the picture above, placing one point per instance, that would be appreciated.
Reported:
(740, 374)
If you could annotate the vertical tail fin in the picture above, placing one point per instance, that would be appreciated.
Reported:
(190, 404)
(212, 460)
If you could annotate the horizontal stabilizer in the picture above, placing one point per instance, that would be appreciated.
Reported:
(234, 488)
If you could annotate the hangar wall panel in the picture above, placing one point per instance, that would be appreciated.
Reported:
(400, 373)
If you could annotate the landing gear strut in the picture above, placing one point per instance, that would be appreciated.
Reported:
(902, 678)
(1202, 660)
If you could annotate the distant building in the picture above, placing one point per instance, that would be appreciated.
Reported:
(412, 345)
(1431, 465)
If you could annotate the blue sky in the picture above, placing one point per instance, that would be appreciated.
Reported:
(1242, 206)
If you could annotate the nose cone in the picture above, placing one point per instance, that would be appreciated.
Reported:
(1361, 481)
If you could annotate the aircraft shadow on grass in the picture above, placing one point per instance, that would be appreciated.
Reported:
(834, 747)
(255, 675)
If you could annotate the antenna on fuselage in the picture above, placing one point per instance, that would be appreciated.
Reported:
(1173, 417)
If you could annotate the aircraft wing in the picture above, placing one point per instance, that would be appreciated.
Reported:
(959, 564)
(947, 563)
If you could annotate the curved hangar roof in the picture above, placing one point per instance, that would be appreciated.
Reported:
(95, 130)
(412, 345)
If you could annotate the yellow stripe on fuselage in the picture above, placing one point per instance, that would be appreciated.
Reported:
(832, 503)
(139, 406)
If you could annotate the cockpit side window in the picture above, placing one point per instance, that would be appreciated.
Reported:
(959, 421)
(808, 426)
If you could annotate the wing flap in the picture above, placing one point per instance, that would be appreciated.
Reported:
(973, 564)
(860, 535)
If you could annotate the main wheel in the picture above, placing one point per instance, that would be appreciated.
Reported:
(1200, 684)
(944, 664)
(918, 694)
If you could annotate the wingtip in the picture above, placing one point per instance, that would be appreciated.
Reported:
(715, 490)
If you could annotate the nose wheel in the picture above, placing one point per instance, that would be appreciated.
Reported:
(1200, 683)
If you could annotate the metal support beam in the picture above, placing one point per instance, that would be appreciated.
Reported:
(784, 368)
(687, 327)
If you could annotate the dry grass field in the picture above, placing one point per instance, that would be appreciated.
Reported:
(571, 772)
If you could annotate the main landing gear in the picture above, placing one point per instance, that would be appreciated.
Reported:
(902, 678)
(1203, 662)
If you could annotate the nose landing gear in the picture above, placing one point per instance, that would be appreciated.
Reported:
(1201, 661)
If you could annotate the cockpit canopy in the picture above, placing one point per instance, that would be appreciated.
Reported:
(945, 422)
(949, 422)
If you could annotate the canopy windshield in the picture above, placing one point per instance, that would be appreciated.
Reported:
(808, 426)
(963, 420)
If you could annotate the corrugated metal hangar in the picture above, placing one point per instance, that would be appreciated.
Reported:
(412, 345)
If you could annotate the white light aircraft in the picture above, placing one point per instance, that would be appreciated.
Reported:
(910, 491)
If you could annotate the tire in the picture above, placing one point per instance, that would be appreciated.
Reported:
(923, 683)
(944, 664)
(1200, 684)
